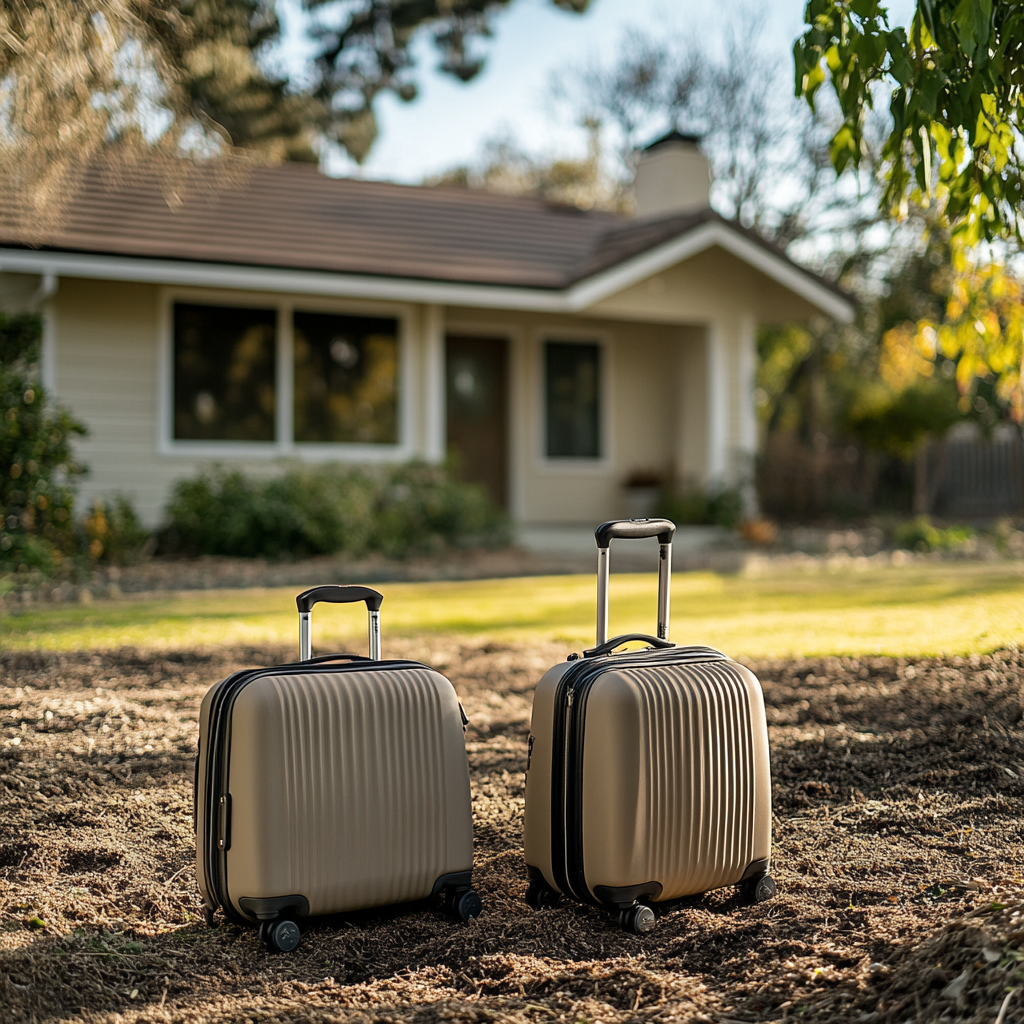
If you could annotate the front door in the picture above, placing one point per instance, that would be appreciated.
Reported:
(477, 390)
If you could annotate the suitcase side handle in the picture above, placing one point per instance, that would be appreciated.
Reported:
(617, 641)
(664, 530)
(335, 594)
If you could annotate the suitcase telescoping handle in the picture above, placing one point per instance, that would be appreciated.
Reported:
(634, 528)
(338, 595)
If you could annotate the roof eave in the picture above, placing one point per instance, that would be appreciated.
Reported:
(578, 297)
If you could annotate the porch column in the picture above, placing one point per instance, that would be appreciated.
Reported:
(717, 406)
(746, 449)
(434, 439)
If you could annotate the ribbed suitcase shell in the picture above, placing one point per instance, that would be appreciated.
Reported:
(347, 784)
(674, 790)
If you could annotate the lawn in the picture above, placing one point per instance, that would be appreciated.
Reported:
(918, 610)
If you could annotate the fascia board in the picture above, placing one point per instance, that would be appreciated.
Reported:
(268, 279)
(579, 297)
(624, 275)
(788, 276)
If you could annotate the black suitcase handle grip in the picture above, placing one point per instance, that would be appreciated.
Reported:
(634, 529)
(617, 641)
(631, 529)
(339, 595)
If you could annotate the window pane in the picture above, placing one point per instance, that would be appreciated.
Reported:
(346, 378)
(223, 373)
(572, 380)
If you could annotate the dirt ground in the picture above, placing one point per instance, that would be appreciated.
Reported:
(898, 855)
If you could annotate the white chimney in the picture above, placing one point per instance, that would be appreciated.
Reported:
(672, 176)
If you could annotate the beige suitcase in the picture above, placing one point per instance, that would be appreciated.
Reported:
(332, 784)
(647, 773)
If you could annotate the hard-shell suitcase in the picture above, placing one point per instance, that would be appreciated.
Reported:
(332, 784)
(647, 774)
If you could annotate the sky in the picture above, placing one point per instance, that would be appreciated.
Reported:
(449, 122)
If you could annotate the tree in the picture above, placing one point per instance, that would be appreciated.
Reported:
(955, 141)
(506, 168)
(768, 154)
(170, 77)
(228, 85)
(158, 77)
(36, 461)
(954, 83)
(369, 54)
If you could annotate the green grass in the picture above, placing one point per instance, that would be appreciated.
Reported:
(944, 608)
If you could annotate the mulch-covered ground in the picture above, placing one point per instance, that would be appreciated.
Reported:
(898, 854)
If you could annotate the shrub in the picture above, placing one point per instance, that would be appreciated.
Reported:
(920, 535)
(328, 509)
(700, 508)
(37, 466)
(112, 531)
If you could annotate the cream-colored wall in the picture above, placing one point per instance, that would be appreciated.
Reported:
(104, 369)
(16, 291)
(105, 366)
(678, 360)
(706, 286)
(652, 406)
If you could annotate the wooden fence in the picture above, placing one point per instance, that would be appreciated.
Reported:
(954, 478)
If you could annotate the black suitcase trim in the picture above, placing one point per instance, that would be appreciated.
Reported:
(217, 827)
(570, 710)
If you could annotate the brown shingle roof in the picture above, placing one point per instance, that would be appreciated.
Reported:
(294, 217)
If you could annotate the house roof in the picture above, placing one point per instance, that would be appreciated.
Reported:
(291, 217)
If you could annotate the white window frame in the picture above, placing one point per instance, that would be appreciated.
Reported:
(552, 465)
(285, 445)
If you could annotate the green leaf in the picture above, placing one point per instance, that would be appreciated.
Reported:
(971, 21)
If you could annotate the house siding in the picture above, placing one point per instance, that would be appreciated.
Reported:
(105, 365)
(661, 407)
(104, 369)
(653, 410)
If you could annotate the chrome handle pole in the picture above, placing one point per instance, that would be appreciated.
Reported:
(602, 595)
(375, 635)
(305, 639)
(664, 588)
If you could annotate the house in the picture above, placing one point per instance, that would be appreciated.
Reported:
(278, 314)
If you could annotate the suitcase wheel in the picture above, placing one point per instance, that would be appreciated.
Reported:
(541, 896)
(757, 890)
(280, 935)
(637, 919)
(463, 904)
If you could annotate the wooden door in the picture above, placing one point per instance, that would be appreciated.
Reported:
(477, 400)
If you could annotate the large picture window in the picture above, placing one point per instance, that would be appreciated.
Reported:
(572, 383)
(224, 379)
(346, 379)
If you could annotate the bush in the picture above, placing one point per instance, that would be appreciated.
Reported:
(328, 509)
(37, 466)
(700, 508)
(920, 535)
(112, 531)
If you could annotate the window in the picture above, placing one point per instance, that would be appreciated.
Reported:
(572, 381)
(224, 380)
(346, 379)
